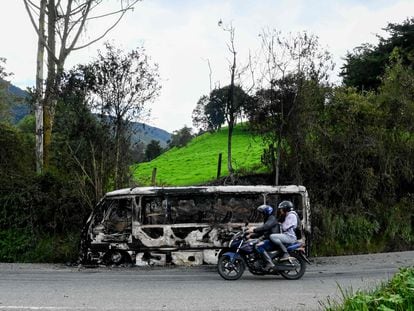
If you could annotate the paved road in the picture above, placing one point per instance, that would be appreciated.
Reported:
(55, 287)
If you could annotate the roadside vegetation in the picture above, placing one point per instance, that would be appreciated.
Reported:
(351, 145)
(397, 295)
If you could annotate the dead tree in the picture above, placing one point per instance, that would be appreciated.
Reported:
(230, 106)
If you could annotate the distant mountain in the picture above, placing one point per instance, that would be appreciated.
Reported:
(20, 107)
(17, 91)
(142, 132)
(145, 133)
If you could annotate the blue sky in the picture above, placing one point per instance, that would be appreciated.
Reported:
(180, 35)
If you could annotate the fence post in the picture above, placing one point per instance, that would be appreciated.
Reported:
(219, 166)
(154, 175)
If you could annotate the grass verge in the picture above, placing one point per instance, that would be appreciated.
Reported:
(397, 295)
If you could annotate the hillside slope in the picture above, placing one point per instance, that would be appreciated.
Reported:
(196, 163)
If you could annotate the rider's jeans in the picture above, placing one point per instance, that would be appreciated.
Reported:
(280, 239)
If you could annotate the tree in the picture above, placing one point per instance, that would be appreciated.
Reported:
(181, 137)
(198, 116)
(397, 94)
(58, 29)
(291, 69)
(123, 83)
(138, 152)
(366, 64)
(83, 142)
(211, 113)
(230, 108)
(153, 150)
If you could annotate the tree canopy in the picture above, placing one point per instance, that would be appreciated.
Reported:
(181, 137)
(211, 111)
(366, 64)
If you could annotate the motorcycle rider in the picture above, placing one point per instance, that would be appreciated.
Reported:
(289, 222)
(270, 225)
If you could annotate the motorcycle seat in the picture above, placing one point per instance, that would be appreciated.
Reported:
(293, 246)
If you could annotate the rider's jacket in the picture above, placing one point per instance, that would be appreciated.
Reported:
(290, 224)
(271, 225)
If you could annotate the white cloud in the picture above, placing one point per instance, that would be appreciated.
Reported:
(181, 35)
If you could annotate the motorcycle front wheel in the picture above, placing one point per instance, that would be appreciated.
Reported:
(229, 270)
(299, 268)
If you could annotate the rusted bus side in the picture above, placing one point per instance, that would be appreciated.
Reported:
(167, 220)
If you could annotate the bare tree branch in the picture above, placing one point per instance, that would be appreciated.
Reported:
(34, 5)
(73, 48)
(112, 13)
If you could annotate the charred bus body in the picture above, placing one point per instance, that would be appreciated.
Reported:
(179, 224)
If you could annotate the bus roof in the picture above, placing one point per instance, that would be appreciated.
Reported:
(289, 189)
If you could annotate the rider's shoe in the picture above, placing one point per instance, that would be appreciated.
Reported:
(269, 263)
(284, 257)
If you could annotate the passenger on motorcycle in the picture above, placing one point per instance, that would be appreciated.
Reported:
(289, 222)
(270, 225)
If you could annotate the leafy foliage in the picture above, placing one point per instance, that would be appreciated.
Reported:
(366, 64)
(397, 294)
(359, 163)
(85, 144)
(181, 137)
(120, 85)
(212, 111)
(153, 150)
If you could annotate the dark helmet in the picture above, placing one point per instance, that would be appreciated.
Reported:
(286, 205)
(265, 209)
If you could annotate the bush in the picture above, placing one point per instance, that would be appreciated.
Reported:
(347, 231)
(20, 245)
(51, 248)
(14, 244)
(40, 219)
(397, 294)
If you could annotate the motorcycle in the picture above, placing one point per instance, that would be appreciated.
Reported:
(242, 252)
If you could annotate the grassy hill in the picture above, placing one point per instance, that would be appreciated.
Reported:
(196, 163)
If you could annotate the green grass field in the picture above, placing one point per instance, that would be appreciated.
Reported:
(196, 163)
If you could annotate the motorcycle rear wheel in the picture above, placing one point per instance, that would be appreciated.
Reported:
(230, 270)
(300, 268)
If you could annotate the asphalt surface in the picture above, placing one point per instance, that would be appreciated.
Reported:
(57, 287)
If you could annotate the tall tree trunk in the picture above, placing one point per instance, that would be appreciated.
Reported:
(277, 166)
(229, 155)
(39, 88)
(50, 93)
(117, 156)
(231, 112)
(119, 131)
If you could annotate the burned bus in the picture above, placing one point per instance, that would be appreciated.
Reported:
(179, 225)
